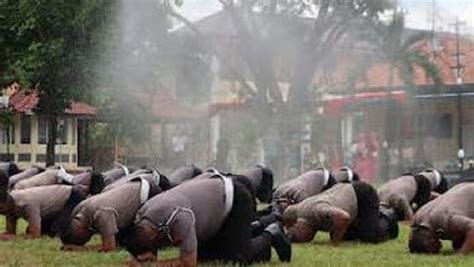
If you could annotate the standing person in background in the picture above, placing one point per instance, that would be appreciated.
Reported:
(179, 145)
(366, 162)
(223, 148)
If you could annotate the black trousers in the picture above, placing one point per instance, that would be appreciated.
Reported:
(234, 242)
(58, 224)
(366, 226)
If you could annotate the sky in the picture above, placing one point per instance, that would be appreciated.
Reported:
(419, 13)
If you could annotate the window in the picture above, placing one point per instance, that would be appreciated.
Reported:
(62, 131)
(7, 157)
(24, 157)
(444, 127)
(41, 158)
(74, 130)
(42, 130)
(25, 129)
(61, 158)
(7, 133)
(437, 125)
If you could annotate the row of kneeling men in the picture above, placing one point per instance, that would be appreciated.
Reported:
(213, 216)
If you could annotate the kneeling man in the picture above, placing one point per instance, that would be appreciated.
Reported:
(26, 174)
(204, 226)
(109, 212)
(262, 181)
(40, 206)
(345, 210)
(401, 193)
(47, 177)
(448, 217)
(304, 186)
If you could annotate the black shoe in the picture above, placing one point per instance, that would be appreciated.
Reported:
(277, 212)
(256, 227)
(280, 242)
(267, 220)
(388, 224)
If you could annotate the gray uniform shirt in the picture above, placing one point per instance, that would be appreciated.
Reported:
(82, 179)
(181, 175)
(308, 184)
(436, 213)
(113, 175)
(150, 177)
(26, 174)
(48, 177)
(316, 209)
(404, 187)
(40, 202)
(111, 210)
(200, 214)
(255, 176)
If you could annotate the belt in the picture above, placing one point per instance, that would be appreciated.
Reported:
(229, 191)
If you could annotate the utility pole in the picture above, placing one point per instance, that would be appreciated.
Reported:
(459, 67)
(433, 28)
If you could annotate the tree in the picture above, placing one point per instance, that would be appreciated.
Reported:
(400, 50)
(307, 35)
(402, 53)
(135, 58)
(49, 45)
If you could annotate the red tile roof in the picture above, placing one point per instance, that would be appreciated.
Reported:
(23, 101)
(26, 101)
(80, 108)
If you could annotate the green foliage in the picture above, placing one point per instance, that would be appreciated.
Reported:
(7, 118)
(306, 45)
(49, 45)
(401, 51)
(134, 58)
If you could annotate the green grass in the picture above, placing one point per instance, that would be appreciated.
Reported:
(45, 252)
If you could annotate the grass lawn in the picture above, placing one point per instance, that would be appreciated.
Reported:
(45, 252)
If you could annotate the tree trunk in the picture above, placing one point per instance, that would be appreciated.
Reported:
(52, 136)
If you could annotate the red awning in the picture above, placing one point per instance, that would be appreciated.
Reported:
(335, 105)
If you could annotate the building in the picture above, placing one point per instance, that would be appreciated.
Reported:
(24, 133)
(171, 134)
(405, 124)
(412, 124)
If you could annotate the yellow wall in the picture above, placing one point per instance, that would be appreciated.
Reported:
(37, 149)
